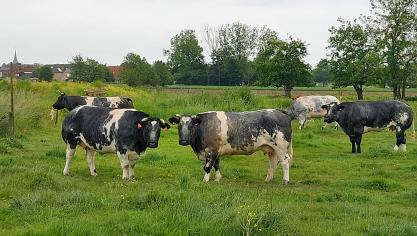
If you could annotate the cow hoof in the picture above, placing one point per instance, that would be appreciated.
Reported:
(285, 182)
(94, 174)
(395, 148)
(66, 173)
(206, 177)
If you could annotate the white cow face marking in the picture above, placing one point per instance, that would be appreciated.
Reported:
(332, 112)
(151, 129)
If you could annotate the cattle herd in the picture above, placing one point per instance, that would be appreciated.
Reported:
(111, 124)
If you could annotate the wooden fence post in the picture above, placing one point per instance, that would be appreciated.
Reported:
(11, 114)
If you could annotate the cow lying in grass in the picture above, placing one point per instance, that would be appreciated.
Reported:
(214, 134)
(127, 132)
(360, 117)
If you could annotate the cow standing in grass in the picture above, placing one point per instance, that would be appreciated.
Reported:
(71, 102)
(310, 107)
(215, 134)
(127, 132)
(360, 117)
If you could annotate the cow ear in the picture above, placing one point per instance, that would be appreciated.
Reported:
(325, 107)
(195, 120)
(141, 123)
(164, 125)
(340, 107)
(175, 119)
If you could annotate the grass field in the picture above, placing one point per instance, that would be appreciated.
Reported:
(332, 192)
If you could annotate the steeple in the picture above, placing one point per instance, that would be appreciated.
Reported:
(15, 61)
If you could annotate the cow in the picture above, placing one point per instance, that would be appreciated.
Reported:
(215, 134)
(127, 132)
(71, 102)
(357, 118)
(310, 107)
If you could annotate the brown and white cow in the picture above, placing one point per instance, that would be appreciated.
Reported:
(215, 134)
(310, 107)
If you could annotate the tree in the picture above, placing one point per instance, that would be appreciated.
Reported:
(393, 23)
(163, 75)
(186, 59)
(281, 63)
(354, 61)
(45, 73)
(322, 72)
(237, 43)
(89, 70)
(136, 71)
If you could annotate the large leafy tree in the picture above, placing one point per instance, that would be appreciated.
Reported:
(186, 59)
(394, 27)
(89, 70)
(136, 71)
(322, 72)
(237, 43)
(281, 63)
(45, 73)
(354, 61)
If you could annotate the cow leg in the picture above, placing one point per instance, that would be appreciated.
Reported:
(210, 160)
(273, 162)
(90, 156)
(124, 162)
(352, 141)
(132, 162)
(285, 163)
(401, 141)
(69, 155)
(217, 168)
(302, 119)
(358, 131)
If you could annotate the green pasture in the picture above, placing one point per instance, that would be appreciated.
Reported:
(331, 191)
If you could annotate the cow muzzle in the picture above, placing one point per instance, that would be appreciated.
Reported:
(153, 144)
(184, 142)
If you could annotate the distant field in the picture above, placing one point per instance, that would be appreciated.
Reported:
(369, 92)
(332, 192)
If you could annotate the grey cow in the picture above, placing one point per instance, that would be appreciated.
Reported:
(310, 107)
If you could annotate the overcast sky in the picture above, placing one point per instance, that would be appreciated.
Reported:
(53, 31)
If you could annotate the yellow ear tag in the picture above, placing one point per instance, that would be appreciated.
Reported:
(139, 126)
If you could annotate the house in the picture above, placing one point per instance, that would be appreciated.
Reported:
(115, 70)
(61, 72)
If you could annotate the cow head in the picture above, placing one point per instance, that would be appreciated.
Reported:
(332, 112)
(185, 125)
(151, 129)
(61, 102)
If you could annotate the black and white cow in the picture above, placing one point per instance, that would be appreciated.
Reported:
(306, 107)
(127, 132)
(71, 102)
(360, 117)
(214, 134)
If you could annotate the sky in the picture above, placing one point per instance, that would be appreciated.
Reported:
(53, 31)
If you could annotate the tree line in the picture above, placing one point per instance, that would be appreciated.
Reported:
(378, 49)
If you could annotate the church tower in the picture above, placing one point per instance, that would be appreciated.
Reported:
(15, 61)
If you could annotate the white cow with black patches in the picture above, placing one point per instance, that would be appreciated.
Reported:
(71, 102)
(218, 133)
(126, 132)
(310, 107)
